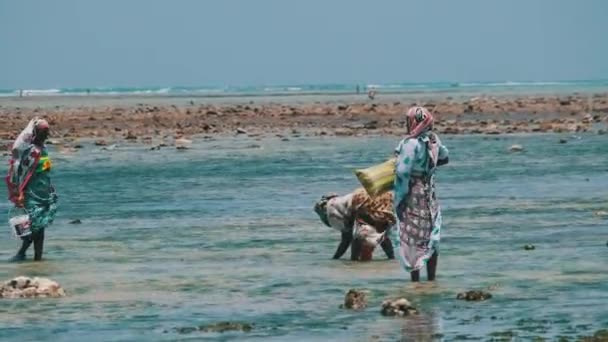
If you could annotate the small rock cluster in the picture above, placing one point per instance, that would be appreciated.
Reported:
(25, 287)
(355, 300)
(474, 295)
(219, 327)
(399, 307)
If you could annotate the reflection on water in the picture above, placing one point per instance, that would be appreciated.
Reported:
(228, 233)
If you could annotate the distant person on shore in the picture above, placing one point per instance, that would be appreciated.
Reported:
(371, 94)
(361, 220)
(30, 188)
(416, 207)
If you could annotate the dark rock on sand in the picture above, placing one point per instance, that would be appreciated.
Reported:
(130, 136)
(399, 307)
(355, 300)
(76, 221)
(371, 125)
(101, 143)
(474, 295)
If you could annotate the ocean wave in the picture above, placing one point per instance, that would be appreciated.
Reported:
(318, 89)
(39, 92)
(518, 84)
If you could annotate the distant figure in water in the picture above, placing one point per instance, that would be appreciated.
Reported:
(361, 220)
(30, 188)
(358, 90)
(371, 94)
(416, 207)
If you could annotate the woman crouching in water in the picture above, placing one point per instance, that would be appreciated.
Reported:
(361, 220)
(29, 185)
(416, 207)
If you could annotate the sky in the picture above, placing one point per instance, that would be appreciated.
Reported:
(89, 43)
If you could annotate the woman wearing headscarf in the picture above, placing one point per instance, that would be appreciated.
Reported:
(361, 220)
(29, 185)
(415, 203)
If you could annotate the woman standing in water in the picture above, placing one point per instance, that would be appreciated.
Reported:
(29, 184)
(416, 208)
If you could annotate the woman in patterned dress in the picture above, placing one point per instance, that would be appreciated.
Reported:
(415, 203)
(29, 185)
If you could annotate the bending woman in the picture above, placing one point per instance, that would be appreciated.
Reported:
(29, 184)
(416, 207)
(361, 220)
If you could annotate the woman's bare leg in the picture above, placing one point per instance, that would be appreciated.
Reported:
(431, 266)
(25, 244)
(38, 238)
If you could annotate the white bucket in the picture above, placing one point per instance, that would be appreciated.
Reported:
(20, 225)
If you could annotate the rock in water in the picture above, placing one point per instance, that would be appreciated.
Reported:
(219, 327)
(399, 307)
(516, 148)
(183, 144)
(598, 336)
(76, 221)
(529, 247)
(25, 287)
(474, 295)
(226, 326)
(355, 300)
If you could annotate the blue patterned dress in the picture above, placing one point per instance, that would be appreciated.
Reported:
(417, 233)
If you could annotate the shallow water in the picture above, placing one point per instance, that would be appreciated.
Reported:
(226, 231)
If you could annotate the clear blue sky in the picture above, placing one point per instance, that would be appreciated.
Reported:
(80, 43)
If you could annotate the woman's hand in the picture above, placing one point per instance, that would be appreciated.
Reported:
(20, 200)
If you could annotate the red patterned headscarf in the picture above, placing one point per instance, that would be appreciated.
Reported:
(420, 121)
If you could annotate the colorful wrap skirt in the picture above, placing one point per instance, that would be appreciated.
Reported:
(418, 230)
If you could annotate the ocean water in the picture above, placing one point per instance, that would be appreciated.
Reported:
(223, 91)
(226, 231)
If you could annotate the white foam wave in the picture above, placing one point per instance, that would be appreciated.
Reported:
(39, 92)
